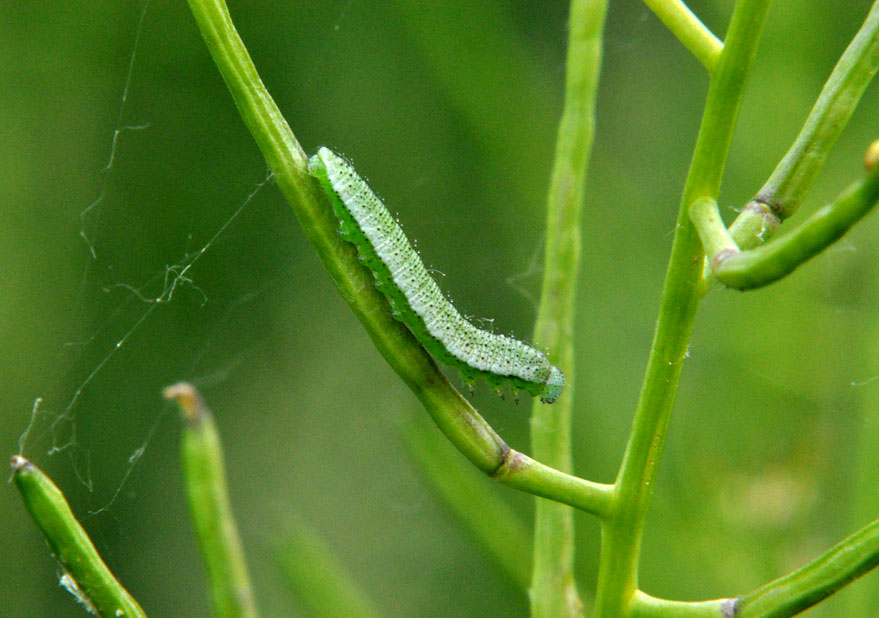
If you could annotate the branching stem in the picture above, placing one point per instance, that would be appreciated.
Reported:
(457, 419)
(621, 538)
(796, 172)
(762, 265)
(792, 178)
(622, 507)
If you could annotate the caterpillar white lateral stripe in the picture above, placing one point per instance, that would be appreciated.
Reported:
(415, 297)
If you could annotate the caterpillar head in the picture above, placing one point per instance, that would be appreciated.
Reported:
(554, 385)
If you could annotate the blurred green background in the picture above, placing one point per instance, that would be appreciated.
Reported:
(449, 109)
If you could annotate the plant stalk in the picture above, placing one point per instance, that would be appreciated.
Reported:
(553, 591)
(794, 175)
(754, 268)
(816, 581)
(622, 533)
(796, 172)
(210, 508)
(455, 417)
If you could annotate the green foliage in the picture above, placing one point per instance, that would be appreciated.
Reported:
(770, 454)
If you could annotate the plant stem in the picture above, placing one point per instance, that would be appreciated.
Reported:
(762, 265)
(622, 533)
(287, 162)
(715, 238)
(645, 606)
(522, 472)
(553, 589)
(792, 178)
(85, 574)
(689, 30)
(816, 581)
(794, 175)
(209, 507)
(457, 419)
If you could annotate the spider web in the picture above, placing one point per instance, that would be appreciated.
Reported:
(53, 424)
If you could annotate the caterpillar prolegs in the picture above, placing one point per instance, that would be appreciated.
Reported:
(415, 297)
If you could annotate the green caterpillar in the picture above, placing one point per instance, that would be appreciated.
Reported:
(416, 299)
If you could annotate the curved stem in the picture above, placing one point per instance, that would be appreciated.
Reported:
(501, 533)
(794, 175)
(553, 589)
(816, 581)
(457, 419)
(287, 162)
(689, 30)
(791, 180)
(621, 538)
(715, 238)
(762, 265)
(645, 606)
(522, 472)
